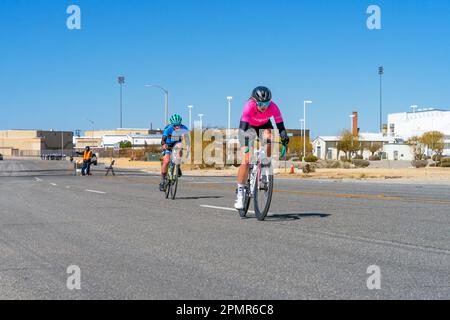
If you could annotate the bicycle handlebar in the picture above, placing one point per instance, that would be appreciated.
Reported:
(283, 150)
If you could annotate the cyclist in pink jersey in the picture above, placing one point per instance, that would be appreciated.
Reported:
(256, 120)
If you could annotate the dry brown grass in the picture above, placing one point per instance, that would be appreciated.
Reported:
(424, 174)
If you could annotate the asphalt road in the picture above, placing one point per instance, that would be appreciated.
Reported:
(130, 243)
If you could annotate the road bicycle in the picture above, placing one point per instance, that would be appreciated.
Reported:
(259, 184)
(171, 182)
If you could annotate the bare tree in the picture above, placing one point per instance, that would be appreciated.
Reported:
(375, 147)
(434, 140)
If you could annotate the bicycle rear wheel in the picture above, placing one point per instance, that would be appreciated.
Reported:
(174, 185)
(263, 191)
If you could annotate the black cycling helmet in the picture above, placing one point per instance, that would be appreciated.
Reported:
(262, 94)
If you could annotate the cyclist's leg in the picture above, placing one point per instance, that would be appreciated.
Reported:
(164, 168)
(178, 150)
(242, 178)
(165, 163)
(242, 175)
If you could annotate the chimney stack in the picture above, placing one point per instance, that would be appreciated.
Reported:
(355, 129)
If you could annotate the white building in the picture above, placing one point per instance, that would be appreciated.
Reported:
(398, 151)
(325, 147)
(137, 140)
(408, 124)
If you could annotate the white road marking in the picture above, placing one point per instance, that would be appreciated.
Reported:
(222, 208)
(38, 180)
(54, 184)
(95, 191)
(68, 187)
(212, 182)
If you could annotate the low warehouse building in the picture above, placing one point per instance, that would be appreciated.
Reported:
(34, 143)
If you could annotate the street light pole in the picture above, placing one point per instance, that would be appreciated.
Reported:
(190, 116)
(304, 128)
(301, 126)
(381, 72)
(229, 98)
(62, 143)
(302, 121)
(201, 121)
(93, 128)
(121, 81)
(229, 112)
(166, 109)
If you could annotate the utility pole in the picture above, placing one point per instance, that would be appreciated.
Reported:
(121, 81)
(381, 72)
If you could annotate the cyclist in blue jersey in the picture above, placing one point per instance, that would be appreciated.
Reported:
(171, 142)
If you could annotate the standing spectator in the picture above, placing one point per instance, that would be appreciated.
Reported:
(87, 157)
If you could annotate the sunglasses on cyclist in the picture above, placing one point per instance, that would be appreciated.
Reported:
(264, 104)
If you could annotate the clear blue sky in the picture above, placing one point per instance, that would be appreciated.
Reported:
(51, 77)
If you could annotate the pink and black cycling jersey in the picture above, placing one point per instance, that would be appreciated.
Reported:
(255, 118)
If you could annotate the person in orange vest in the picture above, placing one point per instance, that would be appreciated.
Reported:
(87, 157)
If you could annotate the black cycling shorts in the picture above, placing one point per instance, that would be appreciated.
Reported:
(248, 136)
(261, 128)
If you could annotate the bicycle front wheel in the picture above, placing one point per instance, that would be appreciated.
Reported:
(243, 212)
(169, 182)
(174, 186)
(168, 188)
(263, 191)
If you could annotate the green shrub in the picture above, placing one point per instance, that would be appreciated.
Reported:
(419, 163)
(311, 158)
(446, 159)
(125, 145)
(445, 165)
(361, 163)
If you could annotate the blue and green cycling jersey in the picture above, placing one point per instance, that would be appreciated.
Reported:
(171, 136)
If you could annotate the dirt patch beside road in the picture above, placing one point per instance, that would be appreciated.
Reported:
(410, 174)
(413, 174)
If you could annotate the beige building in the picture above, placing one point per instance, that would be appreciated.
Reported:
(96, 139)
(35, 142)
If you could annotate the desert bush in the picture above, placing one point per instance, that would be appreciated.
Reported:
(311, 158)
(375, 158)
(333, 164)
(361, 163)
(435, 164)
(445, 159)
(308, 168)
(445, 165)
(436, 157)
(346, 165)
(419, 163)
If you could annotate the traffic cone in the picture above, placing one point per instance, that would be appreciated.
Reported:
(292, 171)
